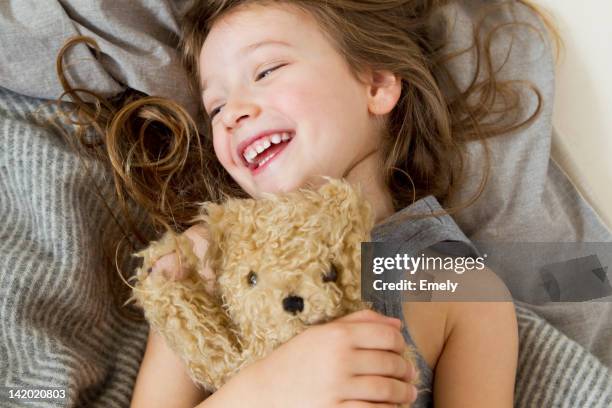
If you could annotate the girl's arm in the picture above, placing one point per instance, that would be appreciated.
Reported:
(477, 365)
(163, 380)
(358, 359)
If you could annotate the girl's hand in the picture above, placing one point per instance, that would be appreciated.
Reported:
(169, 264)
(354, 361)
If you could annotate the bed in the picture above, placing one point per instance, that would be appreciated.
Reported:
(70, 336)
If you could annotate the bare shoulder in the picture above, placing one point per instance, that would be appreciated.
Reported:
(478, 293)
(457, 302)
(469, 336)
(427, 323)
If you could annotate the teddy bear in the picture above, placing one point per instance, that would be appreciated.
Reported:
(281, 263)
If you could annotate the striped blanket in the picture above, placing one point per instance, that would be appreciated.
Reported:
(554, 371)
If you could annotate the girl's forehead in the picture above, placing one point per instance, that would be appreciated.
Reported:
(245, 31)
(239, 29)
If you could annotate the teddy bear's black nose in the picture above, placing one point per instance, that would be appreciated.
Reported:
(293, 304)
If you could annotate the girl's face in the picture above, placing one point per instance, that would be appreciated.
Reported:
(284, 106)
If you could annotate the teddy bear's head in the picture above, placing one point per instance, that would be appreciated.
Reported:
(288, 261)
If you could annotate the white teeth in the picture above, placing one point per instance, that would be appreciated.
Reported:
(266, 159)
(262, 144)
(250, 154)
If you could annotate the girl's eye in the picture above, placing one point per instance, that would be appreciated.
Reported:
(331, 275)
(264, 73)
(252, 279)
(214, 112)
(259, 76)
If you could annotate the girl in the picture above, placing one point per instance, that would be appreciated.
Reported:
(295, 90)
(291, 91)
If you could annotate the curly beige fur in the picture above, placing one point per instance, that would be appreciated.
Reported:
(290, 241)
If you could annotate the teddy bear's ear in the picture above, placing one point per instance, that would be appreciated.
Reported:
(226, 223)
(352, 220)
(347, 204)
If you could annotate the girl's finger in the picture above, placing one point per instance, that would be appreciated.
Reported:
(379, 389)
(198, 234)
(376, 336)
(382, 363)
(370, 316)
(168, 266)
(364, 404)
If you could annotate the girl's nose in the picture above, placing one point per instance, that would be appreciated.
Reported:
(237, 111)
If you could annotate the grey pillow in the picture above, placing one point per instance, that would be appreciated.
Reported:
(137, 39)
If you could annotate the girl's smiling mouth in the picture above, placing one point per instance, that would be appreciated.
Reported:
(258, 154)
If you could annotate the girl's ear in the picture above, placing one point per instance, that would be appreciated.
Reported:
(383, 91)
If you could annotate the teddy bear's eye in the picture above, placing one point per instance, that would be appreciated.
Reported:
(252, 278)
(332, 275)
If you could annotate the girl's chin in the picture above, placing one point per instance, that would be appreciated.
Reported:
(274, 185)
(274, 189)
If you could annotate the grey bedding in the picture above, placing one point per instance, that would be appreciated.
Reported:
(137, 40)
(528, 197)
(69, 335)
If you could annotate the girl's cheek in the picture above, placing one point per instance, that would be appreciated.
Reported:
(221, 151)
(294, 97)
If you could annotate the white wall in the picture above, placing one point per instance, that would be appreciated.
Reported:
(583, 102)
